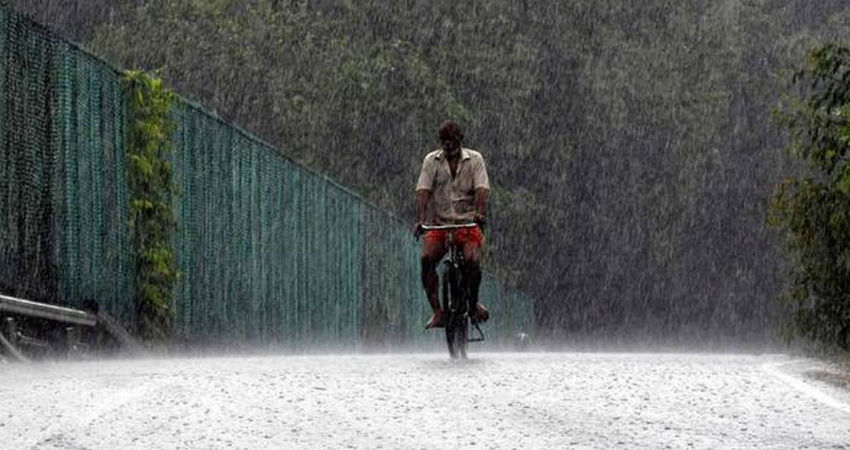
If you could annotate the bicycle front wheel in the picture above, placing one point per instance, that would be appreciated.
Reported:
(457, 322)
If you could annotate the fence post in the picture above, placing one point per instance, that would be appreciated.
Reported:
(72, 335)
(11, 331)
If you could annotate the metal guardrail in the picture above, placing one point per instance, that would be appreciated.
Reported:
(44, 311)
(17, 306)
(114, 328)
(12, 350)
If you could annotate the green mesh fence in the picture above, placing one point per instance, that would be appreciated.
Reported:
(269, 251)
(28, 180)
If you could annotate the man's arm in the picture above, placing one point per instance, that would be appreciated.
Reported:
(423, 193)
(423, 196)
(481, 203)
(482, 190)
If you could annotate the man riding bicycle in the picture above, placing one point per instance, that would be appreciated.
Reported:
(453, 182)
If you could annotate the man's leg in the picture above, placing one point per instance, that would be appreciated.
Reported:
(472, 273)
(433, 251)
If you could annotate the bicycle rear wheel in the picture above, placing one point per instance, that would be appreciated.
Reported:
(457, 321)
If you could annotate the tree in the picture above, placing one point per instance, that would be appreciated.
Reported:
(813, 208)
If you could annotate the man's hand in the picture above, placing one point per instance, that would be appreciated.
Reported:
(418, 230)
(480, 219)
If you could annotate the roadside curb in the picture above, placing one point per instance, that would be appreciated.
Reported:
(803, 387)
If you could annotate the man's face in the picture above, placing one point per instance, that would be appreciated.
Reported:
(451, 145)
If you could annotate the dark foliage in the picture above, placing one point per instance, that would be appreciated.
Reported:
(814, 208)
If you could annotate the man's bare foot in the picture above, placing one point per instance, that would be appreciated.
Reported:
(481, 312)
(436, 321)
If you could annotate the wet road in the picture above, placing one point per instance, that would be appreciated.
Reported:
(424, 401)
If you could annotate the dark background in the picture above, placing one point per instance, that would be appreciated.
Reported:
(631, 145)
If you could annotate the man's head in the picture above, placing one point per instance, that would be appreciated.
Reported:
(450, 136)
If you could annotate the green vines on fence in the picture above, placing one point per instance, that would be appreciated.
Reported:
(151, 191)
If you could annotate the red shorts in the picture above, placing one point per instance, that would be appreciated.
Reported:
(462, 236)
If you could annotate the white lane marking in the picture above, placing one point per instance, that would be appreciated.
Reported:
(60, 432)
(116, 401)
(801, 386)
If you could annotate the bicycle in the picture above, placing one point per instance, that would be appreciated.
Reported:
(457, 301)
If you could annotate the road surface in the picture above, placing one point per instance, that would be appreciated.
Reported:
(424, 401)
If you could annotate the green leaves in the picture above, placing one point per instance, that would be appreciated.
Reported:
(151, 192)
(814, 211)
(843, 182)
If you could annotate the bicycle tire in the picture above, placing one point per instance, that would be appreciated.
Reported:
(455, 306)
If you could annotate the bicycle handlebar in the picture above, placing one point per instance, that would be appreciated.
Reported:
(455, 226)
